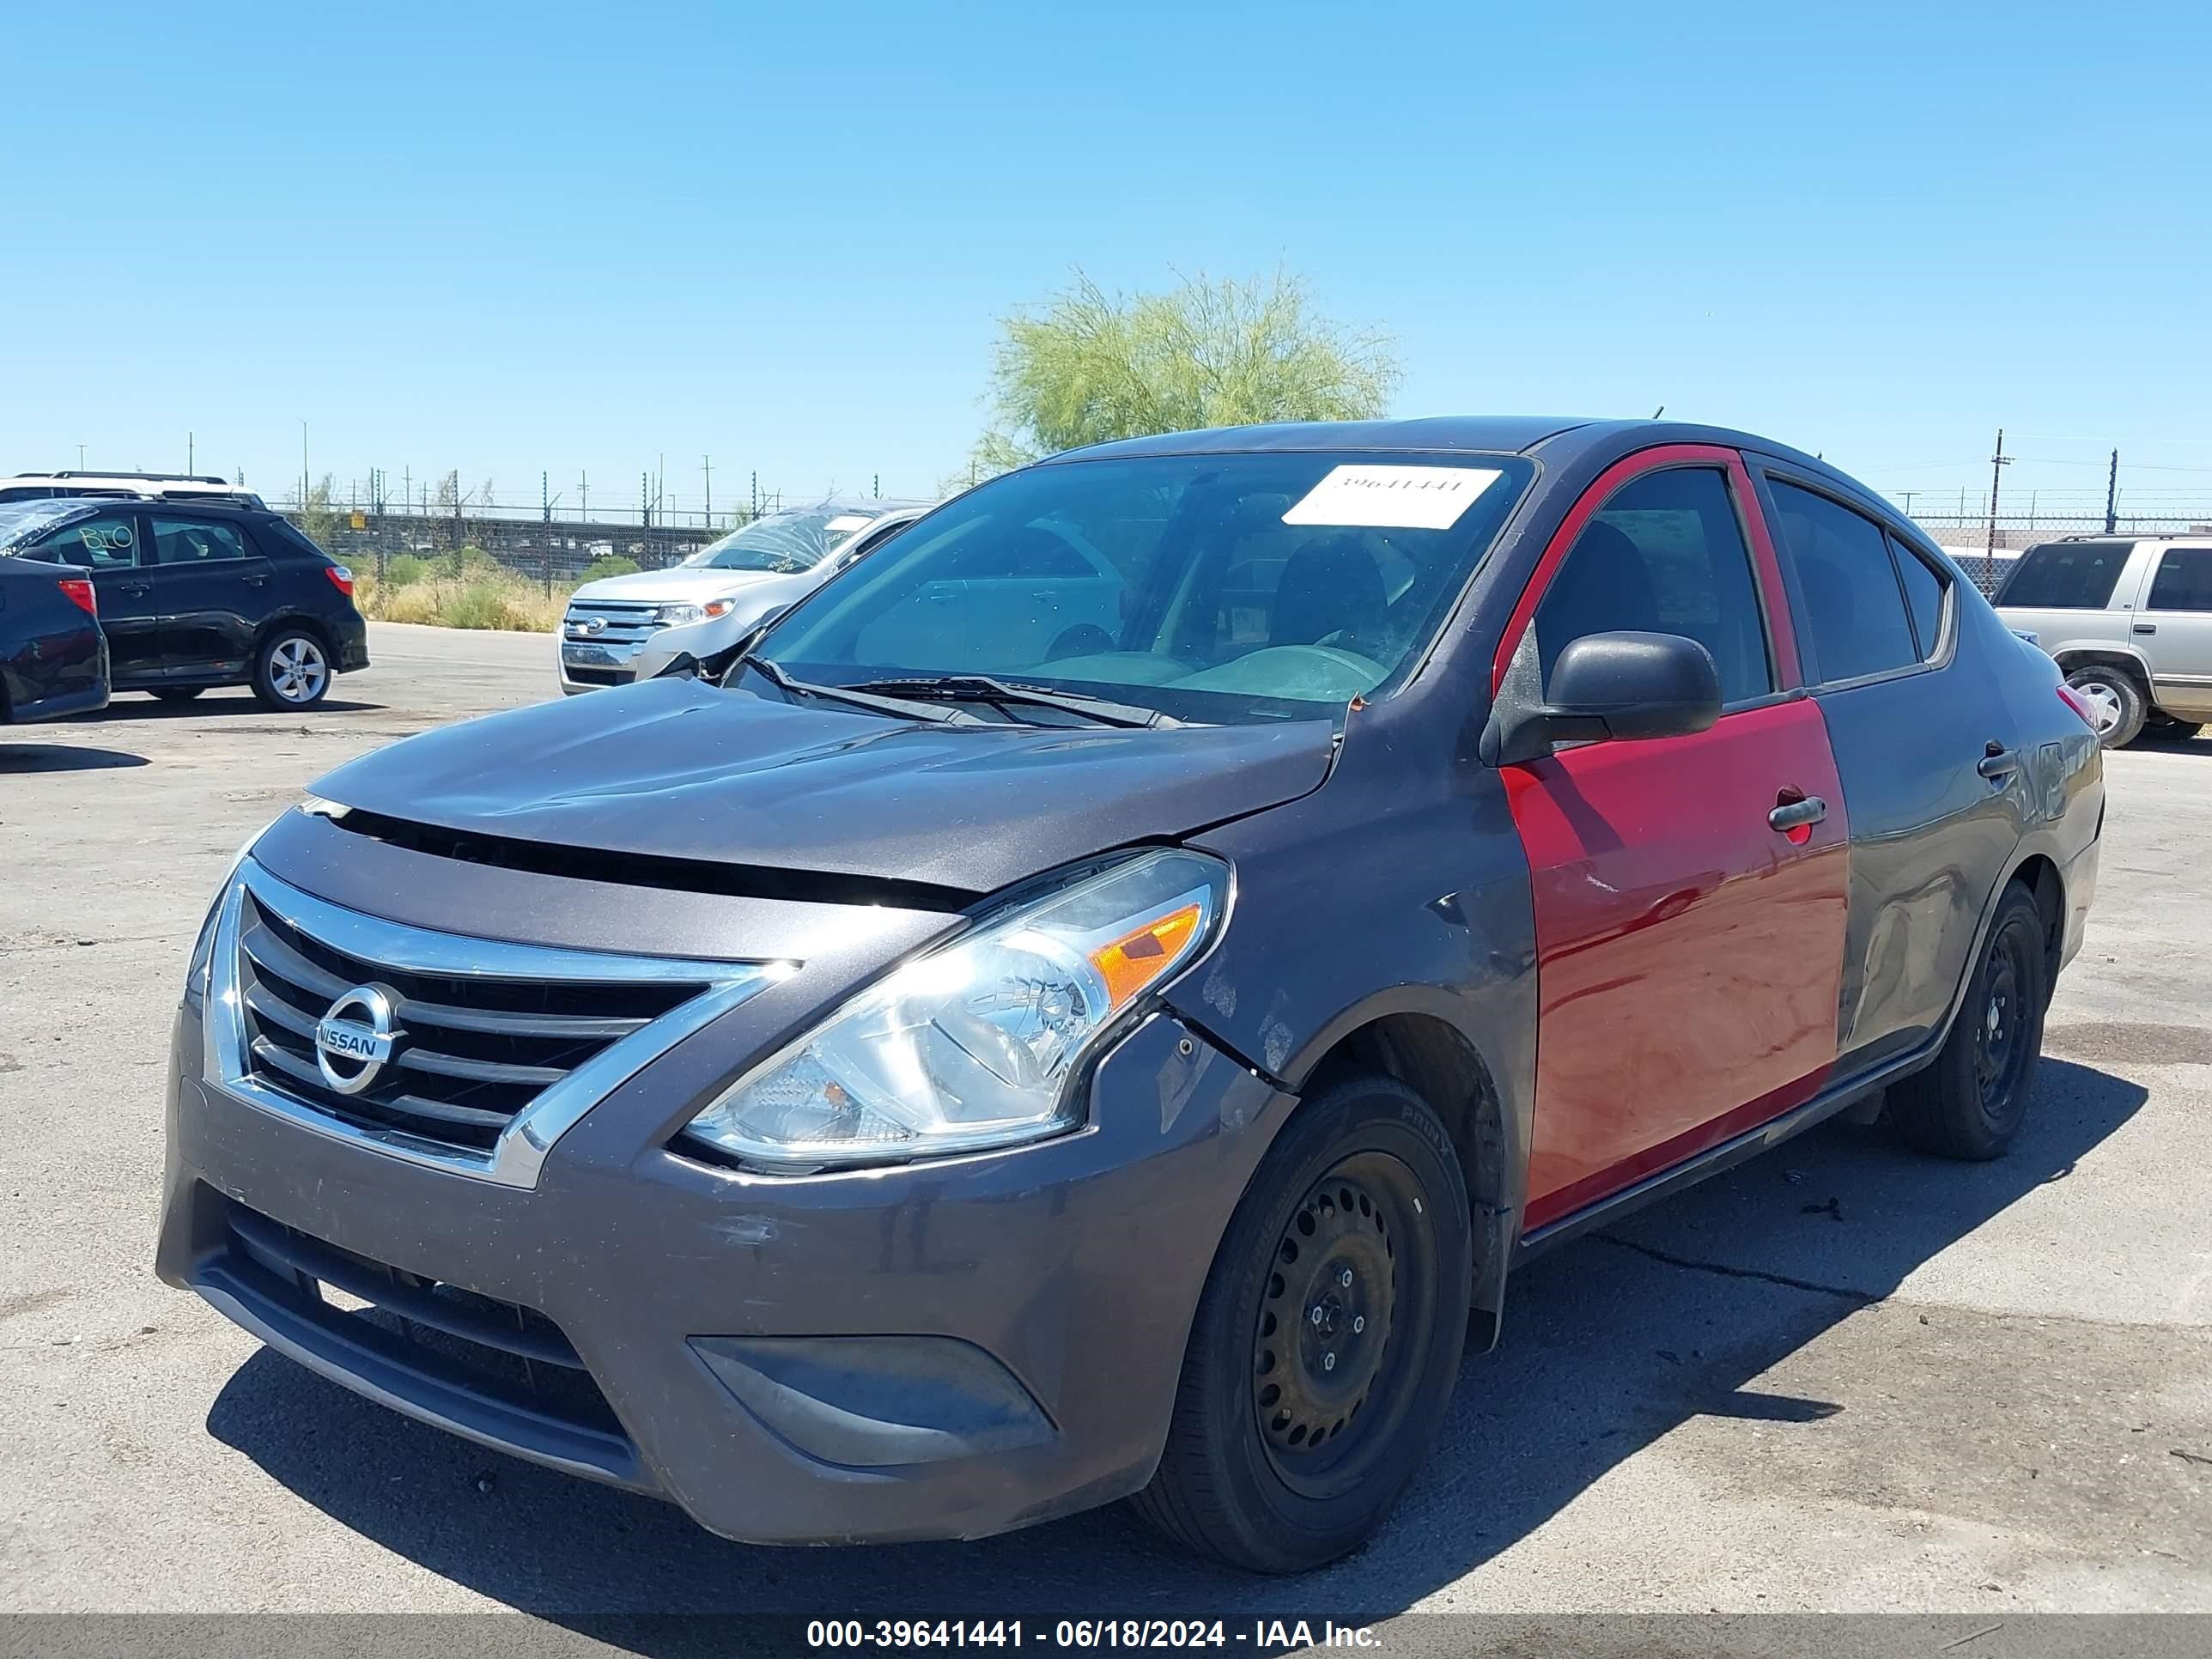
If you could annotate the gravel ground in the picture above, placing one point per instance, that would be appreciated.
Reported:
(1840, 1378)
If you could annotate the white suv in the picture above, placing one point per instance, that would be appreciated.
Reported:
(613, 625)
(153, 486)
(2128, 620)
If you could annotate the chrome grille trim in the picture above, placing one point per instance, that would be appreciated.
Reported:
(241, 1064)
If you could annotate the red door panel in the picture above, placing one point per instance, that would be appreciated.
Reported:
(1689, 956)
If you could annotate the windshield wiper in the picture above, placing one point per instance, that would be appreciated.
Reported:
(982, 688)
(858, 696)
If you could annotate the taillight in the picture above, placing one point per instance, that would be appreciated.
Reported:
(79, 590)
(2080, 704)
(341, 578)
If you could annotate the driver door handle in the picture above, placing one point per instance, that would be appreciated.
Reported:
(1797, 814)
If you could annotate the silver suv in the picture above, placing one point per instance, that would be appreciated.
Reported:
(2128, 620)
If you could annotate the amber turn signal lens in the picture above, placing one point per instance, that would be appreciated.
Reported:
(1131, 962)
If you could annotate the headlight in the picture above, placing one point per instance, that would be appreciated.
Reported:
(981, 1044)
(672, 616)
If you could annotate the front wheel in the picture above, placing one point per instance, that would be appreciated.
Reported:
(1327, 1338)
(292, 670)
(1970, 1101)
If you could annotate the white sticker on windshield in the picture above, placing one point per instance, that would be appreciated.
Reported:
(849, 521)
(1393, 497)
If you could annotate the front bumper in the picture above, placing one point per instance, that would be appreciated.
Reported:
(1004, 1331)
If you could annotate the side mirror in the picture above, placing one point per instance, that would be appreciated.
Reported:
(1619, 686)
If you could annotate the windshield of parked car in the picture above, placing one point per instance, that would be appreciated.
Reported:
(22, 521)
(784, 542)
(1210, 587)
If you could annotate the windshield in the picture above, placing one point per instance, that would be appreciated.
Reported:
(21, 520)
(784, 542)
(1214, 587)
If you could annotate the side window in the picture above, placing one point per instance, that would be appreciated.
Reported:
(108, 542)
(195, 541)
(2184, 581)
(1855, 622)
(1665, 556)
(1925, 591)
(2065, 576)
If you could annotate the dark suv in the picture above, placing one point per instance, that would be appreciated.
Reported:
(193, 595)
(969, 1060)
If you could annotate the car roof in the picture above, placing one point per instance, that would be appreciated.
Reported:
(1552, 438)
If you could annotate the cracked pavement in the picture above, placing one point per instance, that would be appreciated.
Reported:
(1840, 1377)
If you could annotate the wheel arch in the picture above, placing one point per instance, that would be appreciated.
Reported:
(2104, 655)
(1413, 1039)
(307, 622)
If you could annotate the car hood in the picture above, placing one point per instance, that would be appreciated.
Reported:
(681, 581)
(678, 768)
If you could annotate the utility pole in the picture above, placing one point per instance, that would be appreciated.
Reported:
(545, 555)
(1908, 495)
(303, 466)
(188, 451)
(407, 487)
(645, 499)
(707, 463)
(1998, 462)
(80, 457)
(756, 496)
(2113, 494)
(875, 486)
(584, 489)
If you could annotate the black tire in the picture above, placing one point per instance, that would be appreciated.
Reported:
(1241, 1479)
(178, 693)
(2115, 699)
(2164, 728)
(1970, 1101)
(292, 670)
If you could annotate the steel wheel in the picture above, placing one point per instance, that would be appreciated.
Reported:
(1329, 1382)
(2001, 1050)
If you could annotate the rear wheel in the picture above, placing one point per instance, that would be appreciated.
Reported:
(178, 693)
(1970, 1101)
(2117, 707)
(292, 670)
(1327, 1338)
(2164, 728)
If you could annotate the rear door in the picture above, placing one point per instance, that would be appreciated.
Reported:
(2172, 628)
(1689, 947)
(1923, 740)
(213, 588)
(112, 545)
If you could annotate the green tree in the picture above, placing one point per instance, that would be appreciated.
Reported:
(320, 520)
(1087, 366)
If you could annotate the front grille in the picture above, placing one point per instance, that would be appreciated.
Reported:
(438, 1342)
(621, 623)
(472, 1051)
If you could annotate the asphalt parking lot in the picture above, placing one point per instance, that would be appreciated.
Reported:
(1842, 1377)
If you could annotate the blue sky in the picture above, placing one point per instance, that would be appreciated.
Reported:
(507, 238)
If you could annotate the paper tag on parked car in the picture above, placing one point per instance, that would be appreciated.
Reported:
(1393, 497)
(849, 521)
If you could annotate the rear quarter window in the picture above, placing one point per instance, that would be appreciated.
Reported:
(2065, 576)
(1852, 610)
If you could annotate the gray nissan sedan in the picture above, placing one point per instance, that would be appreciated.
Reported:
(1097, 1000)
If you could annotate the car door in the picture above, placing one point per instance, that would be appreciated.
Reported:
(213, 585)
(112, 545)
(2173, 629)
(1689, 942)
(1923, 739)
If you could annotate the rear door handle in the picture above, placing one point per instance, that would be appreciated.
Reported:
(1797, 814)
(2146, 628)
(1997, 761)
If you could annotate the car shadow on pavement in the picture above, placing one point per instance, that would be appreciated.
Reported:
(128, 707)
(62, 757)
(1610, 1343)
